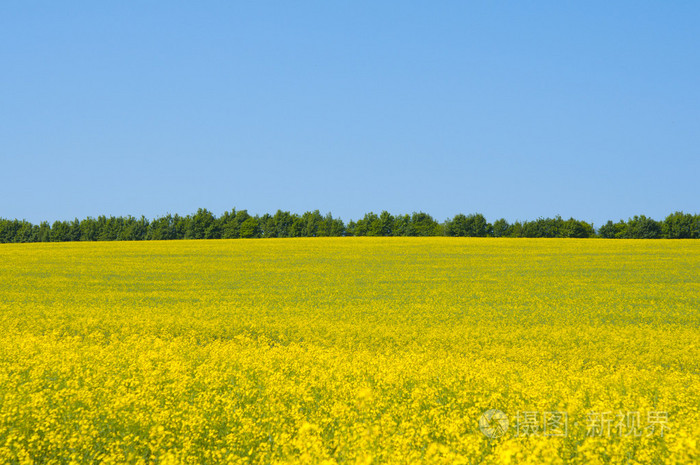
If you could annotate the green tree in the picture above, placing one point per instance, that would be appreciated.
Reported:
(680, 225)
(474, 225)
(612, 230)
(516, 230)
(74, 231)
(576, 228)
(457, 226)
(283, 221)
(249, 228)
(543, 227)
(424, 224)
(8, 230)
(202, 225)
(335, 226)
(133, 229)
(500, 228)
(369, 225)
(641, 227)
(60, 231)
(231, 228)
(25, 232)
(312, 222)
(44, 233)
(386, 224)
(89, 229)
(607, 231)
(109, 228)
(161, 229)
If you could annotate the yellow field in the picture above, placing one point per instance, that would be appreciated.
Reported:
(350, 350)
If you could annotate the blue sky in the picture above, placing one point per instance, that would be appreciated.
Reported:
(511, 109)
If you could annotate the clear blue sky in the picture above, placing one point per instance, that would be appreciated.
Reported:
(511, 109)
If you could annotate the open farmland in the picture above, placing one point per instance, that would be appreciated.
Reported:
(350, 350)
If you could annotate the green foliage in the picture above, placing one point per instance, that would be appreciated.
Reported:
(681, 225)
(332, 227)
(641, 227)
(60, 231)
(250, 228)
(44, 232)
(424, 224)
(543, 227)
(202, 225)
(576, 228)
(474, 225)
(162, 229)
(240, 224)
(501, 228)
(367, 226)
(386, 224)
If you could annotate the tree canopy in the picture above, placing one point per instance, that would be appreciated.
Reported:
(236, 224)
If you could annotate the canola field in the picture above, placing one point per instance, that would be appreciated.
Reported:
(351, 350)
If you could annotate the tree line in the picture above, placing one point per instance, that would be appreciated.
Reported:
(239, 224)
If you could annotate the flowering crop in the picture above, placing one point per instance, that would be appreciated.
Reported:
(350, 350)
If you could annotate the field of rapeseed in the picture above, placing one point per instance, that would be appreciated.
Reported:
(350, 350)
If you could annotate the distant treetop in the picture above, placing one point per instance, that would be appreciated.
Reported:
(239, 224)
